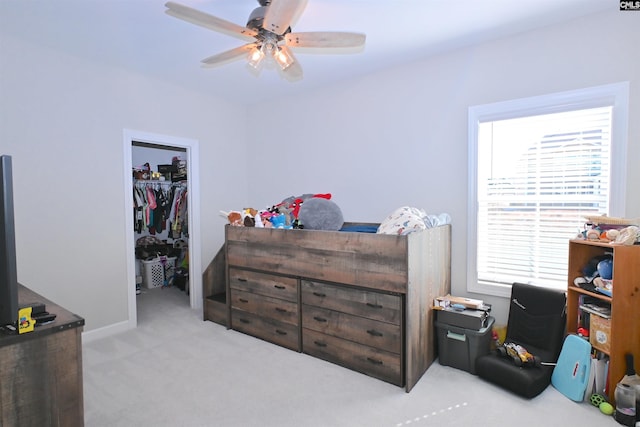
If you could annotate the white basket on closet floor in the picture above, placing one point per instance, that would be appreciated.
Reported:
(158, 271)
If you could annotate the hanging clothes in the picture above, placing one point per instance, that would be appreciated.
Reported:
(177, 215)
(161, 212)
(156, 203)
(140, 204)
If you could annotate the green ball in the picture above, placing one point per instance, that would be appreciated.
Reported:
(597, 399)
(606, 408)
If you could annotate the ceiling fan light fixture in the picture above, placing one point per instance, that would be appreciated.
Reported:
(283, 58)
(269, 35)
(256, 57)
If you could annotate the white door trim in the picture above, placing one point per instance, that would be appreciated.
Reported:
(193, 188)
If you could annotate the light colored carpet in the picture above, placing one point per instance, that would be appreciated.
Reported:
(176, 370)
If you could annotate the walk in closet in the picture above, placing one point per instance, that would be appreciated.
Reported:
(160, 217)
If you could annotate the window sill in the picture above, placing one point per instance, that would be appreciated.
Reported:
(490, 289)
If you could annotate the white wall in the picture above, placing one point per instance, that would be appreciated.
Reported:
(62, 120)
(390, 139)
(400, 137)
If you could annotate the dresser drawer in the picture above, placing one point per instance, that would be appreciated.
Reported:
(369, 304)
(373, 333)
(267, 329)
(264, 284)
(273, 308)
(367, 360)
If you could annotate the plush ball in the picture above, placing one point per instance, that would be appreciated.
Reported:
(320, 214)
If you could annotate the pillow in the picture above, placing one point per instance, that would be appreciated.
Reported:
(403, 221)
(317, 213)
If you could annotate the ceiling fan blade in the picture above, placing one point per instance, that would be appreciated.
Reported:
(209, 21)
(228, 56)
(281, 14)
(293, 72)
(325, 39)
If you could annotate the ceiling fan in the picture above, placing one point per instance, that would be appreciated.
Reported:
(269, 34)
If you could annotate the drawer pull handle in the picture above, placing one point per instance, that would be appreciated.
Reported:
(279, 287)
(320, 343)
(319, 319)
(243, 320)
(243, 300)
(279, 332)
(374, 305)
(320, 294)
(281, 310)
(242, 279)
(374, 333)
(374, 361)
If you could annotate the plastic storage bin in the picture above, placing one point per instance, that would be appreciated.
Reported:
(158, 271)
(459, 347)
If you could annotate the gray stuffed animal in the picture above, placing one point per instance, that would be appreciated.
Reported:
(317, 213)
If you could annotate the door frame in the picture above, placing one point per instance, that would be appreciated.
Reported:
(193, 210)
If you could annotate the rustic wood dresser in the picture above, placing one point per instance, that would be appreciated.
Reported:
(360, 300)
(41, 371)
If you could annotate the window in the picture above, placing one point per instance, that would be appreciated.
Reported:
(537, 166)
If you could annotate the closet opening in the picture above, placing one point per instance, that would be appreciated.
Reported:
(163, 242)
(161, 221)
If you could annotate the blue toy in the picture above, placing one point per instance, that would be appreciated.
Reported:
(279, 221)
(605, 269)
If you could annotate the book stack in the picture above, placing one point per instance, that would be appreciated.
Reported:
(594, 317)
(597, 383)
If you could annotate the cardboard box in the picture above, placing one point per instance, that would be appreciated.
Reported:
(600, 333)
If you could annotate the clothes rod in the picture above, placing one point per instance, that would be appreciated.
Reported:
(157, 181)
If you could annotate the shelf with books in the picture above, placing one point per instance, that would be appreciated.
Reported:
(597, 309)
(597, 382)
(615, 327)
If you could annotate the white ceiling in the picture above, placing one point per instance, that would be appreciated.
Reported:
(138, 35)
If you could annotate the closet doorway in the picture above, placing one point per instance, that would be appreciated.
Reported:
(157, 147)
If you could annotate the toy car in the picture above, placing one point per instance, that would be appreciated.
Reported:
(518, 354)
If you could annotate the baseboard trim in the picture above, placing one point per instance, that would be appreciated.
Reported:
(106, 331)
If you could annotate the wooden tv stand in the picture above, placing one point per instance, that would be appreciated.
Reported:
(41, 371)
(360, 300)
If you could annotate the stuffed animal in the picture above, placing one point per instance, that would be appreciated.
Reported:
(265, 218)
(313, 211)
(234, 217)
(249, 217)
(291, 206)
(295, 206)
(279, 221)
(286, 212)
(318, 213)
(258, 219)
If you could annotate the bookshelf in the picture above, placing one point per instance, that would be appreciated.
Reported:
(624, 303)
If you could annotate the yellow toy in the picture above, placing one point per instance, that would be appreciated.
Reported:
(25, 322)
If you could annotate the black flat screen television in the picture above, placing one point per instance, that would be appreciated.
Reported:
(8, 267)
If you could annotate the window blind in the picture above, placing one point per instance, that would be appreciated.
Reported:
(538, 176)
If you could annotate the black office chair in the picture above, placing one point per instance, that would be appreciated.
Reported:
(537, 321)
